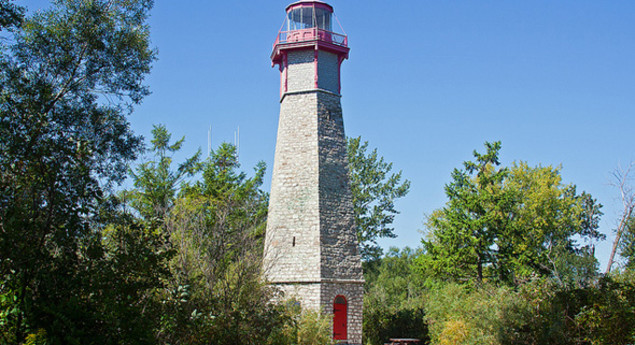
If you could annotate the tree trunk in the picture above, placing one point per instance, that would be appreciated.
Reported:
(628, 211)
(628, 200)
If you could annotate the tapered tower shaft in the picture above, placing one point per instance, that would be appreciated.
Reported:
(311, 250)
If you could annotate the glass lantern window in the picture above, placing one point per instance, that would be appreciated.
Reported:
(309, 17)
(323, 19)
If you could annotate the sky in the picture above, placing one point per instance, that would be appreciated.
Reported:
(426, 83)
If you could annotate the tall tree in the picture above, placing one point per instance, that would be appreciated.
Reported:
(511, 224)
(155, 181)
(627, 196)
(216, 226)
(374, 189)
(464, 232)
(69, 78)
(552, 228)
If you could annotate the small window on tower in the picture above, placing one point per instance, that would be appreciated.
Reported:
(293, 243)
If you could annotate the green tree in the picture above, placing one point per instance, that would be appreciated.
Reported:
(553, 228)
(463, 234)
(126, 268)
(510, 224)
(69, 77)
(374, 190)
(155, 182)
(11, 15)
(627, 245)
(216, 294)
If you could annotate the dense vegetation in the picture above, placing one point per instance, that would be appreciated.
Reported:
(508, 260)
(175, 259)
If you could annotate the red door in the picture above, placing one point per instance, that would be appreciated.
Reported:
(339, 318)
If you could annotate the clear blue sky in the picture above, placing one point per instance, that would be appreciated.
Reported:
(427, 82)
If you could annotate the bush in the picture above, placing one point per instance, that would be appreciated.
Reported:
(303, 327)
(460, 314)
(536, 313)
(393, 300)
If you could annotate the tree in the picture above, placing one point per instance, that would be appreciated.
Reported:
(216, 294)
(547, 220)
(627, 196)
(374, 190)
(154, 180)
(510, 224)
(627, 245)
(463, 234)
(69, 78)
(11, 15)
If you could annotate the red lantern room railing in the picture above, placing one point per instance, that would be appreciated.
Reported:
(310, 35)
(309, 23)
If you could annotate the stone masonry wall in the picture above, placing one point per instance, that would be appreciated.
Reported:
(339, 249)
(301, 70)
(294, 200)
(353, 293)
(321, 296)
(328, 71)
(311, 202)
(308, 294)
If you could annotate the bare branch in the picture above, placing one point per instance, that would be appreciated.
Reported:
(622, 180)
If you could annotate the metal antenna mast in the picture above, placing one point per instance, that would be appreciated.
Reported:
(209, 141)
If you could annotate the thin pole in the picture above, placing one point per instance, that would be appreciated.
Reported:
(209, 141)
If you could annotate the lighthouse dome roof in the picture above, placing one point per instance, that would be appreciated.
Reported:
(310, 2)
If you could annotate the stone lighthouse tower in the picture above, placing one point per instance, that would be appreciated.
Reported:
(311, 250)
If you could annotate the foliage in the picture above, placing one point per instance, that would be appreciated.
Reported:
(215, 294)
(512, 254)
(69, 78)
(393, 299)
(374, 190)
(511, 224)
(538, 312)
(459, 314)
(314, 328)
(11, 15)
(463, 234)
(302, 327)
(129, 267)
(154, 180)
(548, 219)
(600, 314)
(627, 245)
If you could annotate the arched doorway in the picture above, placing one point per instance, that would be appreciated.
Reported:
(340, 318)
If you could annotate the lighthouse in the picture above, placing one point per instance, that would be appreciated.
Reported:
(311, 251)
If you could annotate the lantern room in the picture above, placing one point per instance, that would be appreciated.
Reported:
(307, 15)
(309, 23)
